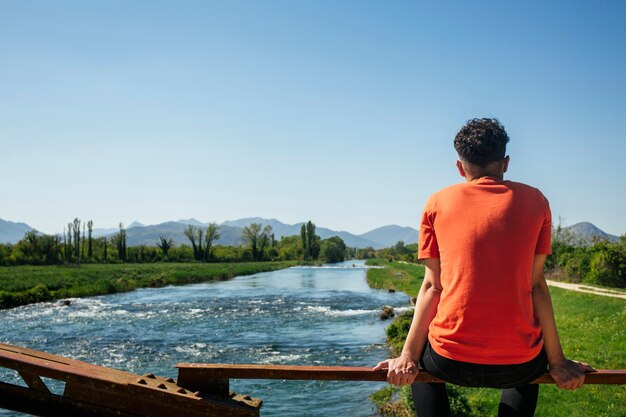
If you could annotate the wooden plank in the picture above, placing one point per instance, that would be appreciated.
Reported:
(601, 376)
(57, 367)
(195, 373)
(92, 389)
(204, 377)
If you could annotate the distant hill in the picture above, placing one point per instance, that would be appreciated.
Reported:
(149, 235)
(390, 235)
(249, 220)
(99, 232)
(192, 222)
(587, 232)
(348, 238)
(230, 232)
(281, 229)
(11, 232)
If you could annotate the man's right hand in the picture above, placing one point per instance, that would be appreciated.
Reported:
(401, 370)
(569, 374)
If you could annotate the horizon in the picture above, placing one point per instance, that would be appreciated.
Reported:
(190, 219)
(144, 224)
(341, 113)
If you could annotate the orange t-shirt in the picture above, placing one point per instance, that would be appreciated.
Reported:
(486, 233)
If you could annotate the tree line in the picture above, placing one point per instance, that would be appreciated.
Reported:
(599, 262)
(398, 252)
(78, 245)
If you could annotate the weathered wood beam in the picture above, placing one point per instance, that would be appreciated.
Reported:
(97, 390)
(34, 382)
(201, 375)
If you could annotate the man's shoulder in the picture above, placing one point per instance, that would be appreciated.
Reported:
(449, 189)
(442, 194)
(520, 186)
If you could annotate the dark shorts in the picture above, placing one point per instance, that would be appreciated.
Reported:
(479, 375)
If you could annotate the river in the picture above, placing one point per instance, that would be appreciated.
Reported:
(299, 316)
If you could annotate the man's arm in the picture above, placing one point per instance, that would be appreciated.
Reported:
(403, 369)
(566, 373)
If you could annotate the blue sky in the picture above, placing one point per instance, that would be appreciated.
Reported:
(342, 112)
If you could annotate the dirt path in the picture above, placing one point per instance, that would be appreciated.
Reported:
(587, 289)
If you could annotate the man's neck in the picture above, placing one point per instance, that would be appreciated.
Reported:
(470, 178)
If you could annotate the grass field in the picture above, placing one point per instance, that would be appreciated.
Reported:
(592, 329)
(21, 285)
(398, 276)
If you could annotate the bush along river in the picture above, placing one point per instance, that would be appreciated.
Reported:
(298, 316)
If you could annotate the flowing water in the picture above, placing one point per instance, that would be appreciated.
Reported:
(297, 316)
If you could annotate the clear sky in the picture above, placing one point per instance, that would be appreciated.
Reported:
(342, 112)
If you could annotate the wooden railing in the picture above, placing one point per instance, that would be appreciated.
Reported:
(201, 389)
(215, 377)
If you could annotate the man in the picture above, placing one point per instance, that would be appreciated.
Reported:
(483, 315)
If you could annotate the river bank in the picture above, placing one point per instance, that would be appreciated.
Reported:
(591, 329)
(21, 285)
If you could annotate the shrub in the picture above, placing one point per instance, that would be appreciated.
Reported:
(608, 266)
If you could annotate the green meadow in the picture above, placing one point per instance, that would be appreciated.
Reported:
(21, 285)
(592, 329)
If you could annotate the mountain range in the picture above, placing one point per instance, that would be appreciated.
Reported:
(11, 232)
(230, 232)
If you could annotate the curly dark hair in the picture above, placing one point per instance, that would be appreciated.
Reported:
(481, 141)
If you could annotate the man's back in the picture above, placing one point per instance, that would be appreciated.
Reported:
(486, 233)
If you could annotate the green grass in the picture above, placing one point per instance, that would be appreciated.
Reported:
(21, 285)
(398, 276)
(592, 329)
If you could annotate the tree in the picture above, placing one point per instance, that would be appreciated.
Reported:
(399, 248)
(365, 253)
(90, 239)
(608, 265)
(265, 239)
(120, 240)
(165, 244)
(190, 232)
(315, 247)
(195, 234)
(333, 249)
(288, 248)
(67, 238)
(82, 248)
(69, 247)
(212, 234)
(251, 235)
(5, 253)
(310, 237)
(310, 241)
(74, 232)
(307, 254)
(75, 227)
(37, 249)
(256, 238)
